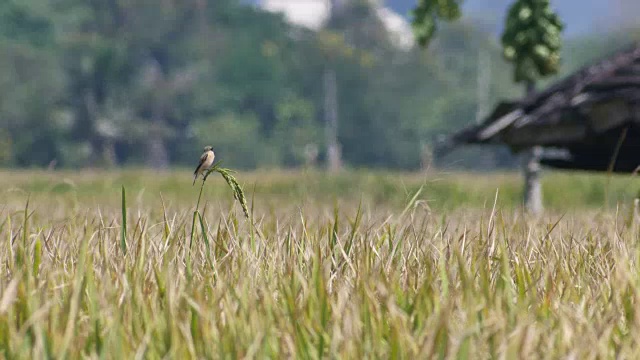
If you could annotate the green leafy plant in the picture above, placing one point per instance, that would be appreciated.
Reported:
(427, 14)
(532, 39)
(123, 229)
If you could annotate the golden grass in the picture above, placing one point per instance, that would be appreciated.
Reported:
(374, 279)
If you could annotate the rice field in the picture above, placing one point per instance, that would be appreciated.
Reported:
(356, 265)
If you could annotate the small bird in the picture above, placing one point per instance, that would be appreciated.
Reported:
(206, 160)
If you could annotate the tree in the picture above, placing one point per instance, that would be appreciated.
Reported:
(31, 88)
(100, 82)
(531, 41)
(359, 58)
(353, 30)
(427, 15)
(331, 103)
(127, 63)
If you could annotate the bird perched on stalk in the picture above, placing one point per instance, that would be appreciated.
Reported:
(206, 160)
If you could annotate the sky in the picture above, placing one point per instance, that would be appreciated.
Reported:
(580, 16)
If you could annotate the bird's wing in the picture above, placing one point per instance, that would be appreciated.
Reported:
(203, 158)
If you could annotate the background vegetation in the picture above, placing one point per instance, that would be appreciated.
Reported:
(104, 83)
(438, 191)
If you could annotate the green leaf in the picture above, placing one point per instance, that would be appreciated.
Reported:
(123, 228)
(428, 13)
(531, 39)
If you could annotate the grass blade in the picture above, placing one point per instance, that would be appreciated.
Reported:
(123, 234)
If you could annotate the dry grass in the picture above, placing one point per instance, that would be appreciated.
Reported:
(307, 282)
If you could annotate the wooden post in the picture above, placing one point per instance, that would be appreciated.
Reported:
(532, 171)
(532, 185)
(331, 120)
(334, 152)
(483, 85)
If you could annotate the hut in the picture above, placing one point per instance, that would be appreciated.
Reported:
(587, 121)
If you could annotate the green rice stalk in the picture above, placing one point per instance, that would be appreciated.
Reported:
(238, 193)
(123, 235)
(205, 237)
(166, 228)
(37, 253)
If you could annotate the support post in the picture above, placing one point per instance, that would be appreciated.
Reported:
(334, 152)
(531, 170)
(532, 184)
(334, 158)
(483, 85)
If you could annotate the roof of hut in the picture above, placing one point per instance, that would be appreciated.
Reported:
(591, 118)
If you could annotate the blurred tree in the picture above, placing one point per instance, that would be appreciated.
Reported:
(237, 140)
(450, 101)
(128, 63)
(141, 82)
(98, 67)
(354, 40)
(428, 13)
(30, 85)
(532, 41)
(330, 88)
(296, 128)
(262, 65)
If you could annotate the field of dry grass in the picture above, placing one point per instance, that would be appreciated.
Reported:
(356, 266)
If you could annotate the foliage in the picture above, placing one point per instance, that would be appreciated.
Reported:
(237, 138)
(427, 14)
(126, 83)
(532, 39)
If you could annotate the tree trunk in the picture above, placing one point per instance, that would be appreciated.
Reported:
(89, 116)
(157, 154)
(334, 152)
(109, 153)
(334, 156)
(483, 85)
(532, 169)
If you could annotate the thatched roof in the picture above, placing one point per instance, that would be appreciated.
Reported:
(590, 117)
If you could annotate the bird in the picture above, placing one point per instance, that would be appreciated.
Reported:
(206, 160)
